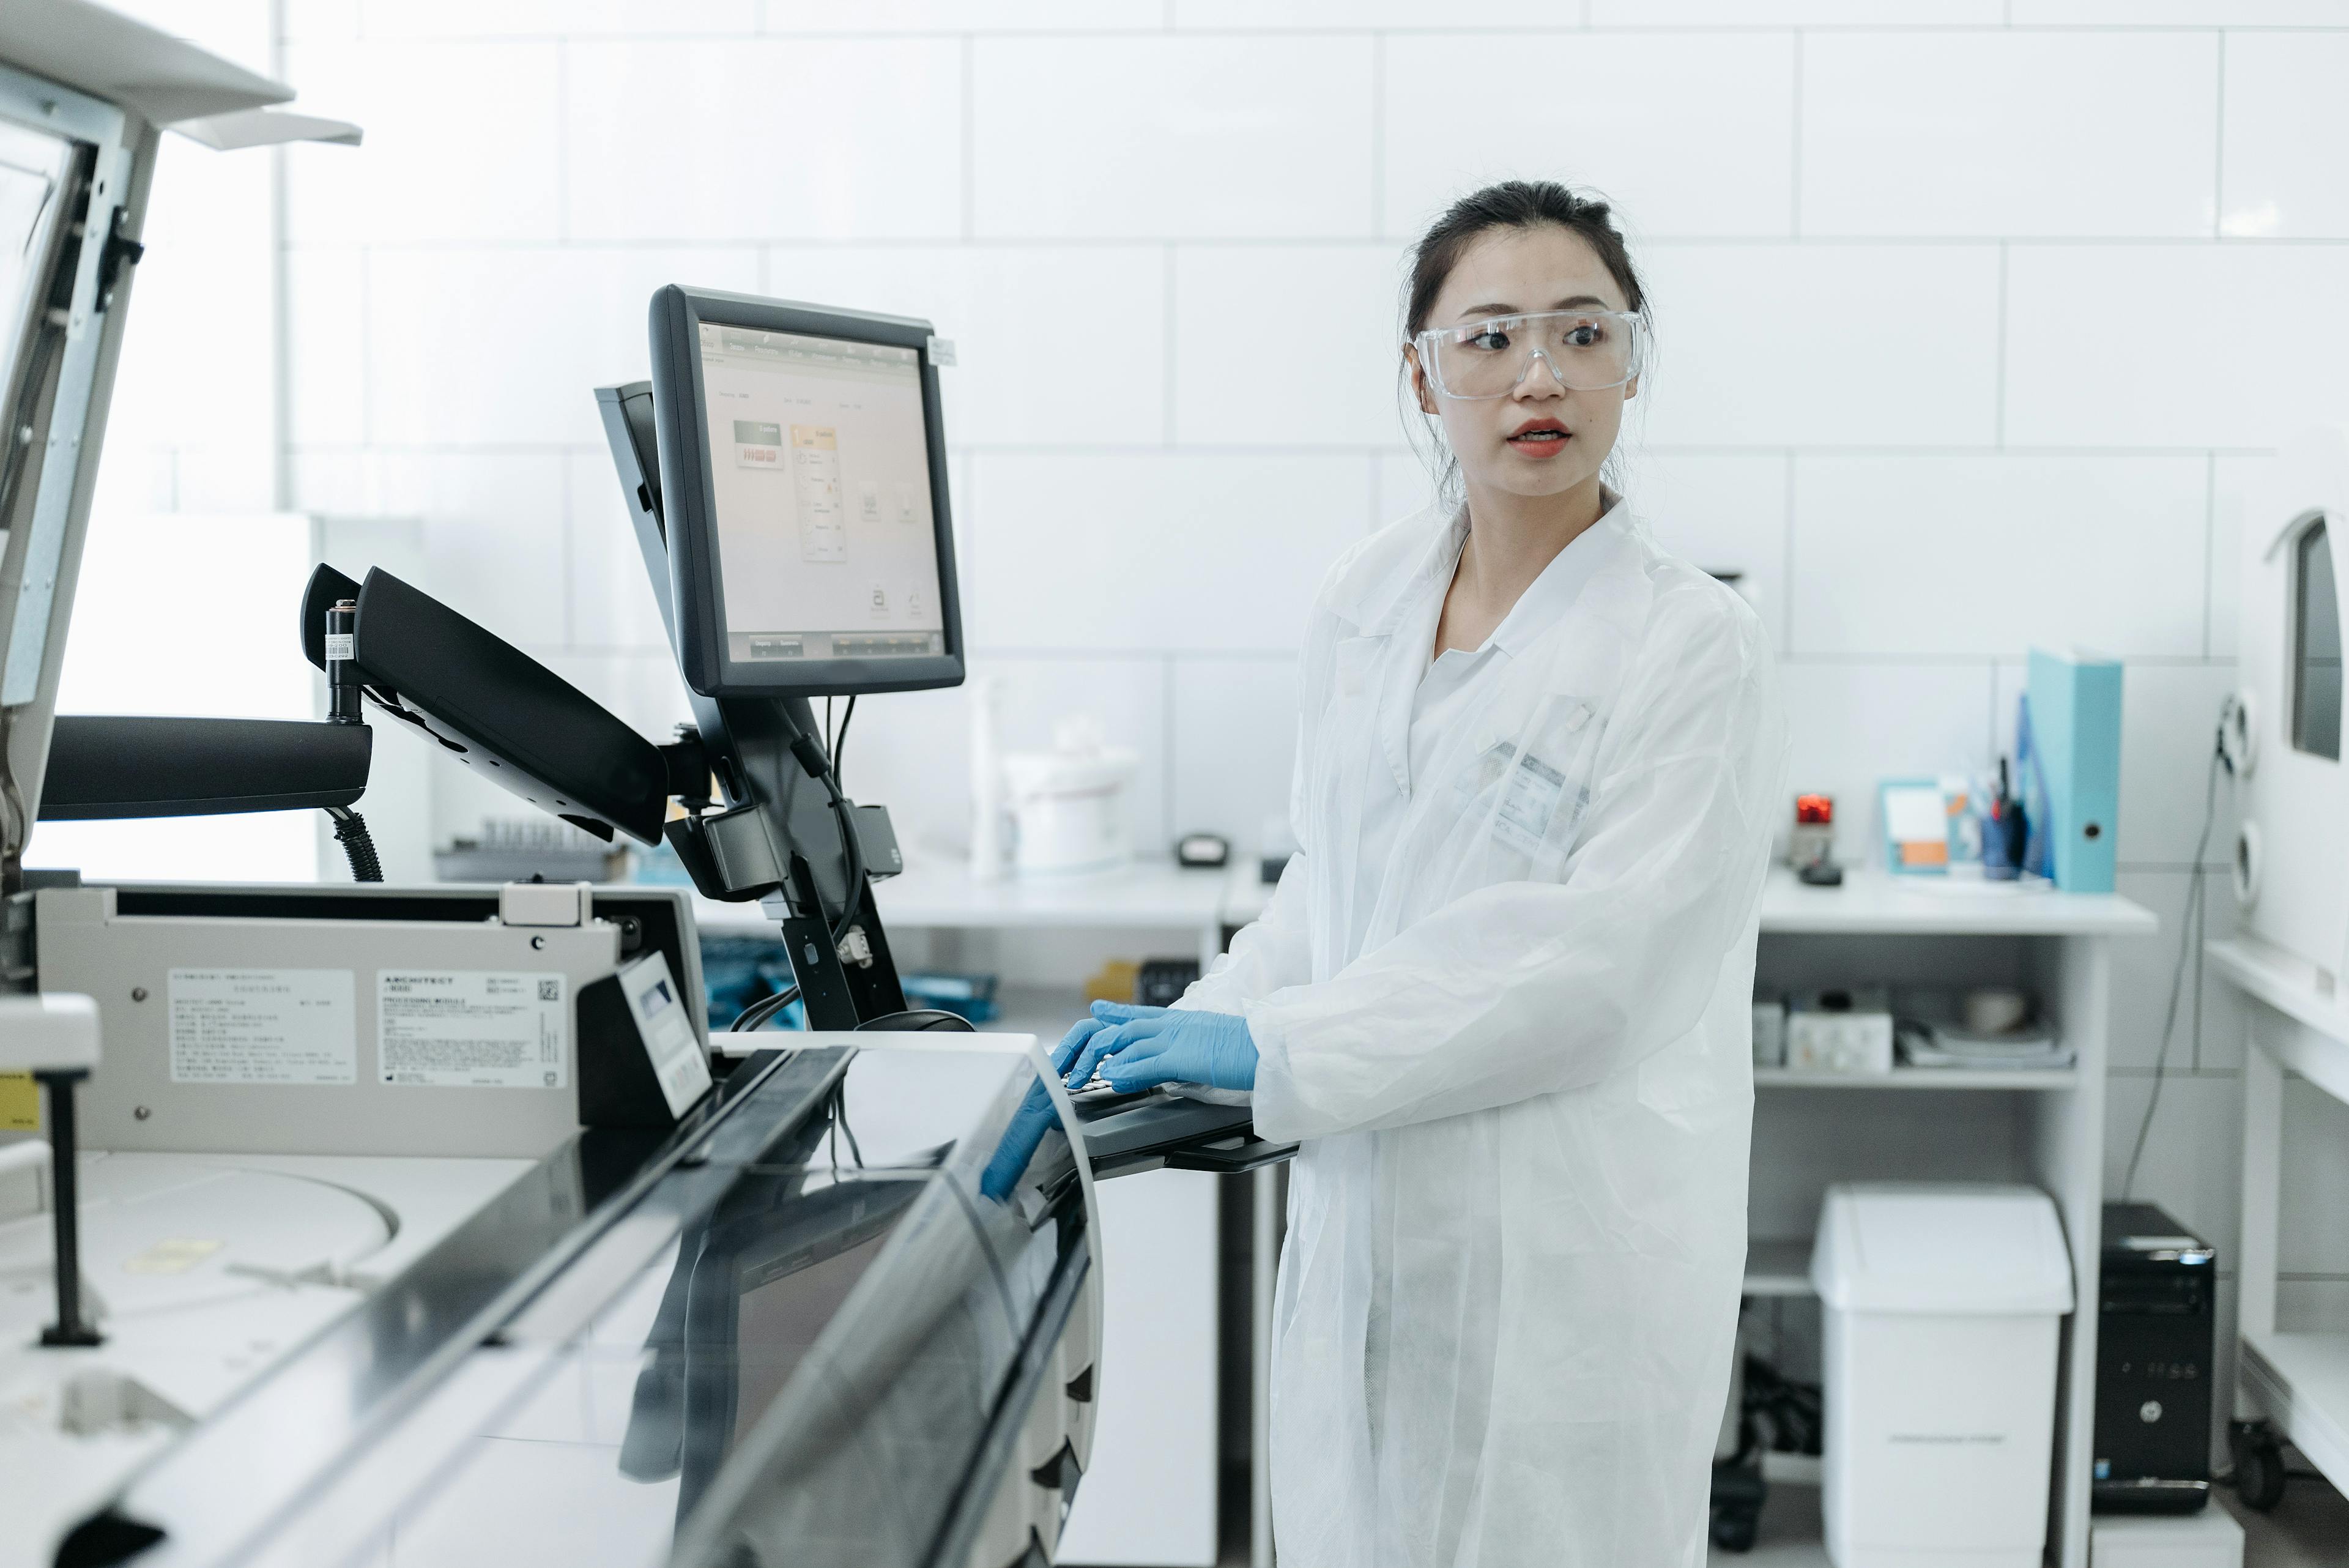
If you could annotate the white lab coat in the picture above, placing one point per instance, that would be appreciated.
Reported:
(1515, 1039)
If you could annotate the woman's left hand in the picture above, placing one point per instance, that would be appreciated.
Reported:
(1136, 1047)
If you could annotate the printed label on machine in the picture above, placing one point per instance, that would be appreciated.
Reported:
(263, 1026)
(473, 1029)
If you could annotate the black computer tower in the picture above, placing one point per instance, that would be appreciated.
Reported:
(2155, 1339)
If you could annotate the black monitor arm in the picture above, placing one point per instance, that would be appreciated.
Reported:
(787, 836)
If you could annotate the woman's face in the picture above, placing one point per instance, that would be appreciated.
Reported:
(1543, 437)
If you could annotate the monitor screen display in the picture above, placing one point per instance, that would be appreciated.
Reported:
(826, 547)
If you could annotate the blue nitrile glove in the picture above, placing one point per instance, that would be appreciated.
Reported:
(1136, 1047)
(1024, 1135)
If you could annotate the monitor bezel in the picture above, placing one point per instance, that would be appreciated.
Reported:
(680, 421)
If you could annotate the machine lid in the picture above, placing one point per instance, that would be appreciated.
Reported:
(1941, 1248)
(108, 56)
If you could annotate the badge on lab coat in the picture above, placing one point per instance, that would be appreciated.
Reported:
(1531, 789)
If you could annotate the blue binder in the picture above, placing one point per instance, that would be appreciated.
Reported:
(2075, 730)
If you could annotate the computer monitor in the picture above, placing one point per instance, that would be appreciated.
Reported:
(803, 483)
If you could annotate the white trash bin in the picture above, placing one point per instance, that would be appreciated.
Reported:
(1942, 1305)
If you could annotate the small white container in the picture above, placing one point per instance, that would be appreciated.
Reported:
(1769, 1032)
(1942, 1306)
(2211, 1538)
(1844, 1030)
(1070, 807)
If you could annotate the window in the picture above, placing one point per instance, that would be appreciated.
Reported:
(2316, 646)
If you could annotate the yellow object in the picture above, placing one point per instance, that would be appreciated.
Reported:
(20, 1103)
(173, 1255)
(1114, 981)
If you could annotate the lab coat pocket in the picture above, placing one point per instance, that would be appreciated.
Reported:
(1546, 792)
(1521, 796)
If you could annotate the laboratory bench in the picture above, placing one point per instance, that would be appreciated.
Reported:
(1152, 1497)
(2041, 1127)
(2299, 1027)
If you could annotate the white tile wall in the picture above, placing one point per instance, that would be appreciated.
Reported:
(1690, 134)
(728, 153)
(1155, 551)
(1242, 712)
(816, 16)
(1054, 345)
(2003, 133)
(1793, 13)
(2279, 179)
(464, 143)
(1192, 138)
(555, 322)
(1288, 345)
(1725, 511)
(1974, 318)
(2173, 345)
(1854, 723)
(1794, 345)
(1985, 555)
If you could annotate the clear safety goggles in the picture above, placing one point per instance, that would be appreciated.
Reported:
(1585, 350)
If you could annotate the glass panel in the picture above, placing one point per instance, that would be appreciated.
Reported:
(34, 167)
(805, 1374)
(2316, 643)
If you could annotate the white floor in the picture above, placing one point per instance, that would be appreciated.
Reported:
(2310, 1529)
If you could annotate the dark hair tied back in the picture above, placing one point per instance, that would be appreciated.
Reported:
(1513, 204)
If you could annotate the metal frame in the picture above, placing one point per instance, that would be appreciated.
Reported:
(681, 415)
(42, 552)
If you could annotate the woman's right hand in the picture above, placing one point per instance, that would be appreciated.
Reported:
(1104, 1015)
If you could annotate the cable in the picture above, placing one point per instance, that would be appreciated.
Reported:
(358, 844)
(938, 1017)
(839, 1109)
(766, 1007)
(2190, 939)
(840, 744)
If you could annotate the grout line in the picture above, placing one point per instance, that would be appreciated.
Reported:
(1379, 132)
(562, 143)
(1172, 347)
(570, 560)
(2219, 155)
(1350, 239)
(2210, 541)
(1166, 822)
(366, 352)
(1998, 423)
(1795, 132)
(970, 137)
(1787, 591)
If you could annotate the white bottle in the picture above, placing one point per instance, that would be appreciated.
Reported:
(987, 847)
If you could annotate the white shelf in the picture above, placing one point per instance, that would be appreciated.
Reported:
(2303, 1380)
(1919, 1078)
(1158, 895)
(1872, 903)
(2291, 986)
(1150, 894)
(1778, 1269)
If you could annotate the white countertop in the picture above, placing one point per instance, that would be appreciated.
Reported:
(1155, 895)
(2293, 986)
(1872, 901)
(1149, 895)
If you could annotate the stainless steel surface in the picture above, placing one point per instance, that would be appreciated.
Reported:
(84, 945)
(828, 1322)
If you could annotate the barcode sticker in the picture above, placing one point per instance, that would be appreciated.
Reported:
(473, 1029)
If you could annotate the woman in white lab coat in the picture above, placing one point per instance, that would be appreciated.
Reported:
(1503, 996)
